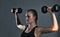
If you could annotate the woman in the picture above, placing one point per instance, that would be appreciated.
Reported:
(32, 30)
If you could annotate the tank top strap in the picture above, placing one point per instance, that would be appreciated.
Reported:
(26, 27)
(34, 28)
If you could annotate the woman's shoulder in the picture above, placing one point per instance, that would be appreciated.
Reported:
(37, 30)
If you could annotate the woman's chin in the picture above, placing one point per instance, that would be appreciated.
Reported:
(28, 22)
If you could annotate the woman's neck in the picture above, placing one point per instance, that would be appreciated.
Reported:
(31, 25)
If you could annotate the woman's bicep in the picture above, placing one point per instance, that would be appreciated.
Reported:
(22, 27)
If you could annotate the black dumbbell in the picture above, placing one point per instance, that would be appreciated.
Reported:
(55, 8)
(18, 10)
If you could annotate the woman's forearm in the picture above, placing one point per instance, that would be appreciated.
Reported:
(17, 19)
(55, 23)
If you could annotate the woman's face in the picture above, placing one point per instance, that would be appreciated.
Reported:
(30, 18)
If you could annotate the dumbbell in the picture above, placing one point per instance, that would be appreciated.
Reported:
(55, 8)
(18, 10)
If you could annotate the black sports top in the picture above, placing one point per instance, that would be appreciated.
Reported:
(30, 34)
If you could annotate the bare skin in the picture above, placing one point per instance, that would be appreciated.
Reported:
(31, 24)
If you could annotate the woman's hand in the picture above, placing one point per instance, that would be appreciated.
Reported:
(50, 10)
(16, 11)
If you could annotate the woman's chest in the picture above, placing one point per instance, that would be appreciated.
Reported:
(30, 34)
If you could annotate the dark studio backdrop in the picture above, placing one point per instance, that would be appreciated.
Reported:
(7, 21)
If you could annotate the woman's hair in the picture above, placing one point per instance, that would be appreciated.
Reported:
(34, 13)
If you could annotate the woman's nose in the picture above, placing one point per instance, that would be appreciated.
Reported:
(26, 18)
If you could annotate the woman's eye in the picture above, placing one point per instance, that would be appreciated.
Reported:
(28, 16)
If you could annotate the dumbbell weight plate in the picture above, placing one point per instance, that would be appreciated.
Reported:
(44, 9)
(13, 10)
(19, 10)
(55, 8)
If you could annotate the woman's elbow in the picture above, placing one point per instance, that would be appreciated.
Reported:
(55, 29)
(21, 27)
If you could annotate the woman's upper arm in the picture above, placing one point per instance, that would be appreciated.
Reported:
(22, 27)
(45, 30)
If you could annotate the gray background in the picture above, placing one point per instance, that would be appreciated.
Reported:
(7, 21)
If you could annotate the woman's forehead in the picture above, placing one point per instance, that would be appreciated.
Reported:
(28, 13)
